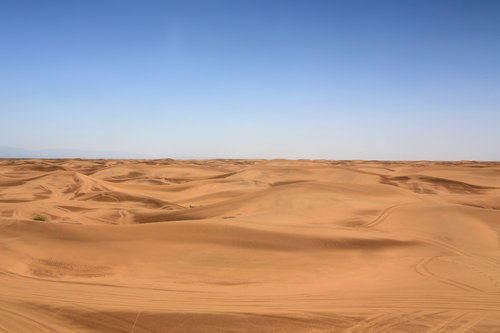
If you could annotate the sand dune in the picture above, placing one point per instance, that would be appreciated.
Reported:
(249, 245)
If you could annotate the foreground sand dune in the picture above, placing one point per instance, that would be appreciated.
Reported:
(249, 245)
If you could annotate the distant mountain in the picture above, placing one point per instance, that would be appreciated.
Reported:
(10, 152)
(6, 152)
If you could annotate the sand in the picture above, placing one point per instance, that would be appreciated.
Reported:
(249, 246)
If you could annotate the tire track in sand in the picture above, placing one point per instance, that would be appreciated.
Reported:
(422, 269)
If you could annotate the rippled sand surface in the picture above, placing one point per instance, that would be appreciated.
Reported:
(249, 246)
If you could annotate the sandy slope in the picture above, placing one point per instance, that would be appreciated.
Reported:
(249, 245)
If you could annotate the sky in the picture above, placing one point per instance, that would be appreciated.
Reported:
(401, 80)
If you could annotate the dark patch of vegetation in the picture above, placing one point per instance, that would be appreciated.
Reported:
(39, 219)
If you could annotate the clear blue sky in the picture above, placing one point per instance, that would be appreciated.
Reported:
(272, 79)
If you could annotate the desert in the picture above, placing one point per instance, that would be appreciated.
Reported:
(229, 245)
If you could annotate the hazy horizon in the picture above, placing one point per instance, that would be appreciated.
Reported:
(54, 153)
(386, 80)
